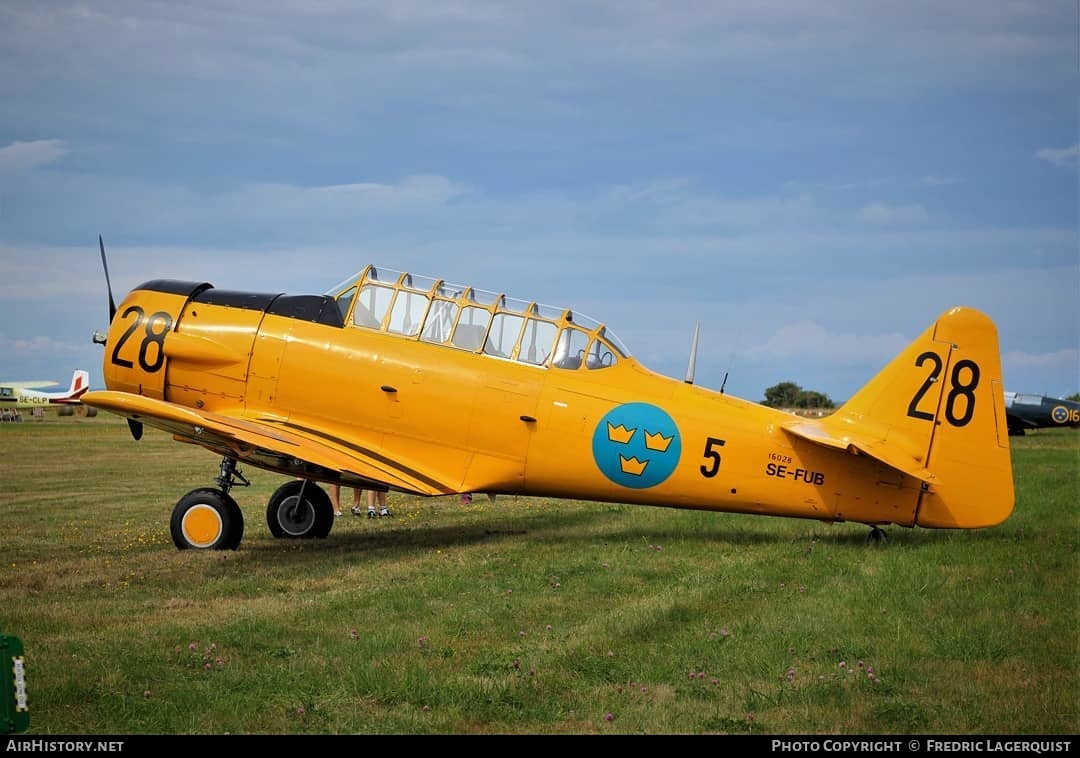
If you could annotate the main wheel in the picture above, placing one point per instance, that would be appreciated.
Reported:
(206, 519)
(289, 516)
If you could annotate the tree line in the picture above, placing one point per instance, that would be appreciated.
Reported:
(791, 395)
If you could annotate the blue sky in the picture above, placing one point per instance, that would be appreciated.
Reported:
(813, 182)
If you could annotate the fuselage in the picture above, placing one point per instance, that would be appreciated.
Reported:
(481, 394)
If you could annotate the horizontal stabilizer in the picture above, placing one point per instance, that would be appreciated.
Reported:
(879, 450)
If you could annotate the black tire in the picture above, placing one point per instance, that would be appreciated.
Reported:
(65, 410)
(289, 517)
(206, 519)
(236, 534)
(90, 412)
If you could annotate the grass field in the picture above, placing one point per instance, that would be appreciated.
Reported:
(524, 616)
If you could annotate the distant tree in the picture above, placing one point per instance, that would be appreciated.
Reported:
(783, 395)
(811, 399)
(791, 395)
(1074, 397)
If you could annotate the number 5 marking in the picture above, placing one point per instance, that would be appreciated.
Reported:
(713, 455)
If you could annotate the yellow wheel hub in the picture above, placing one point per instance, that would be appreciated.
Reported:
(202, 526)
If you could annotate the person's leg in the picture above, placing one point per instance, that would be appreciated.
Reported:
(335, 498)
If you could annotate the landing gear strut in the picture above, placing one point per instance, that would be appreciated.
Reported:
(228, 475)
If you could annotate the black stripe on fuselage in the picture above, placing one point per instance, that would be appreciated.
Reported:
(175, 287)
(367, 452)
(318, 309)
(252, 301)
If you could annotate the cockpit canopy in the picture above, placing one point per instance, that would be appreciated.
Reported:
(466, 318)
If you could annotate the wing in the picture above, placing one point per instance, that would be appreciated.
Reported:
(28, 385)
(1018, 421)
(266, 443)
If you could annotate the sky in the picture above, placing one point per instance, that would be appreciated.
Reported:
(813, 182)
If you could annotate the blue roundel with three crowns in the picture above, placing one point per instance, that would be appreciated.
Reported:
(636, 445)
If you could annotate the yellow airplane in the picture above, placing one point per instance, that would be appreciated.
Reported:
(391, 381)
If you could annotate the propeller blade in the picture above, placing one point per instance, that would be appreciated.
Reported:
(136, 428)
(108, 284)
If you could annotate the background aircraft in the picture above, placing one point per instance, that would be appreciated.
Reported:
(18, 396)
(402, 382)
(1026, 411)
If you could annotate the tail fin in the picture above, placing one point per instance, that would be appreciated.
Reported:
(936, 413)
(80, 383)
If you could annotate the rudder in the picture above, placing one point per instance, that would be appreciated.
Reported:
(80, 383)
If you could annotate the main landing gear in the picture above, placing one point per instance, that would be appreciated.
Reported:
(877, 536)
(209, 519)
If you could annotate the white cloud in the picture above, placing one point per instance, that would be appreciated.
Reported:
(1066, 358)
(38, 345)
(807, 338)
(476, 47)
(939, 181)
(19, 156)
(413, 193)
(887, 215)
(1055, 373)
(1066, 157)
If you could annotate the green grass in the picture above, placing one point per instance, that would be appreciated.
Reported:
(524, 616)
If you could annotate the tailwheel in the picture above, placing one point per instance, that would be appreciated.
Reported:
(206, 519)
(300, 509)
(877, 536)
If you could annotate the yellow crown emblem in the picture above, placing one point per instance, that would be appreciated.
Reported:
(657, 441)
(632, 466)
(619, 433)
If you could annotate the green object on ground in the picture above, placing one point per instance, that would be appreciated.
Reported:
(15, 712)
